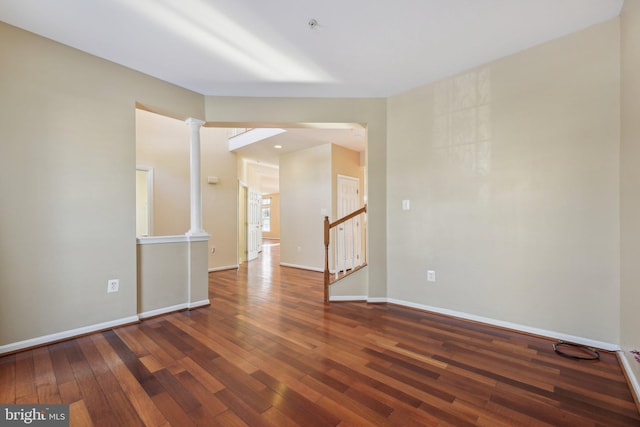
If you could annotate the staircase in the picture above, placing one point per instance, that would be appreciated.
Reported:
(344, 247)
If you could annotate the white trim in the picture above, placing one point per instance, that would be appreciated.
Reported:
(150, 181)
(376, 300)
(197, 304)
(635, 385)
(226, 267)
(46, 339)
(197, 237)
(154, 240)
(174, 308)
(302, 267)
(195, 177)
(508, 325)
(164, 310)
(182, 238)
(348, 298)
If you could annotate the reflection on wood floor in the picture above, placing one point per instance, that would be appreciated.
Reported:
(269, 352)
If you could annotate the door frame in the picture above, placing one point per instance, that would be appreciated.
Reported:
(149, 171)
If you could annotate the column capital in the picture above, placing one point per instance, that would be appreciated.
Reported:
(194, 122)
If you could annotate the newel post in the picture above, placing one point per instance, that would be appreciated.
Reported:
(327, 227)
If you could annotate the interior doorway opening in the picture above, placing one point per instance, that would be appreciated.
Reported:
(295, 168)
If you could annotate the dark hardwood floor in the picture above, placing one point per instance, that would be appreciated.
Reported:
(269, 352)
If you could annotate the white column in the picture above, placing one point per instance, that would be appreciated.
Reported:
(196, 192)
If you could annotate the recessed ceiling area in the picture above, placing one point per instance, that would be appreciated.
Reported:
(263, 156)
(356, 48)
(293, 139)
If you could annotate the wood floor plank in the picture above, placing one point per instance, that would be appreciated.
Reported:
(48, 394)
(61, 367)
(92, 394)
(25, 382)
(294, 405)
(212, 406)
(43, 367)
(69, 392)
(8, 378)
(136, 394)
(123, 411)
(268, 351)
(79, 415)
(172, 411)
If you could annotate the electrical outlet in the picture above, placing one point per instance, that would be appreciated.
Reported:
(431, 276)
(299, 249)
(113, 285)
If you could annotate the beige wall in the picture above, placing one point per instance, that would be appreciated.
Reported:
(163, 144)
(67, 184)
(512, 171)
(275, 216)
(162, 275)
(630, 184)
(219, 201)
(305, 193)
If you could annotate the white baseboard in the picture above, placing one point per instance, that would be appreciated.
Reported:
(226, 267)
(201, 303)
(631, 376)
(173, 308)
(377, 300)
(302, 267)
(46, 339)
(163, 310)
(348, 298)
(513, 326)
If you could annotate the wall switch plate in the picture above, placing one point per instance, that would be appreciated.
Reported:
(113, 285)
(431, 276)
(406, 205)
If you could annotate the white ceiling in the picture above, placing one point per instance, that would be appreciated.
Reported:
(360, 48)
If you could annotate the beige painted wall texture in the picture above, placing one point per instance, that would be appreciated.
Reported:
(305, 192)
(163, 143)
(219, 201)
(67, 184)
(162, 275)
(630, 183)
(512, 171)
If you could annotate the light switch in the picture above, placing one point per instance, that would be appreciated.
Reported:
(406, 205)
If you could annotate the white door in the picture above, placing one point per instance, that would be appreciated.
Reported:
(254, 223)
(349, 234)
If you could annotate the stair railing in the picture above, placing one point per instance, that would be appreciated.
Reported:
(348, 253)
